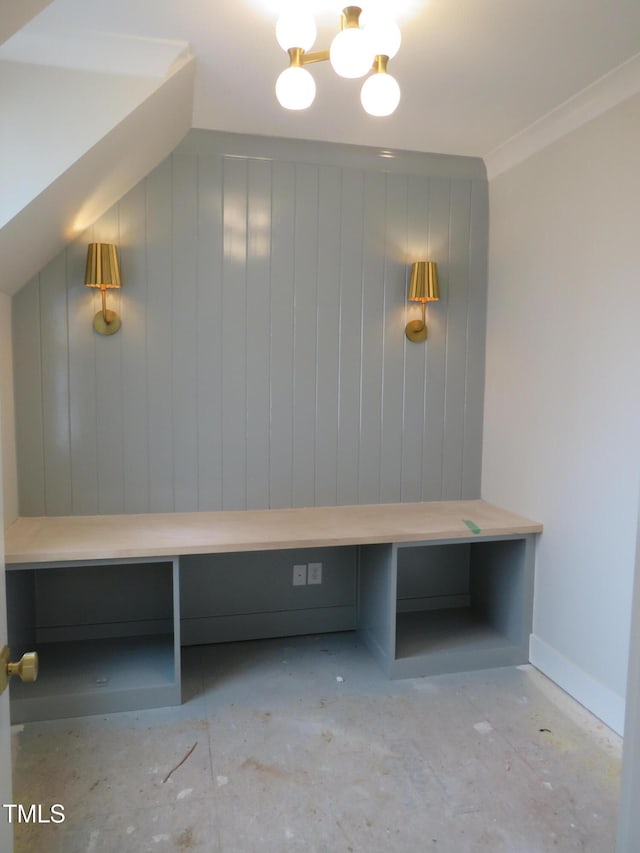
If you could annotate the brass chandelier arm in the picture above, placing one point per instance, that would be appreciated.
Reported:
(315, 56)
(299, 57)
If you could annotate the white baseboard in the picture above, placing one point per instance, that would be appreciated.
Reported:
(596, 698)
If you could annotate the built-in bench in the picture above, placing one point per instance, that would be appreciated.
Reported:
(108, 600)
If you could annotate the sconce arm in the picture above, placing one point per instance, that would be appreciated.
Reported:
(416, 330)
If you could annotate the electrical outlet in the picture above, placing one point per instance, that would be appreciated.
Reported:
(300, 575)
(315, 573)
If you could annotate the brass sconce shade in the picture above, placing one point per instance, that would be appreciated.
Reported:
(423, 287)
(103, 271)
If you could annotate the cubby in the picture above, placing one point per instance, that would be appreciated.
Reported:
(430, 608)
(107, 636)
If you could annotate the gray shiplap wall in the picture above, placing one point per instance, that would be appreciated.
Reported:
(262, 360)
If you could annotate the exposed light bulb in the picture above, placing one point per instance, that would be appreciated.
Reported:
(383, 32)
(295, 88)
(380, 94)
(296, 28)
(350, 53)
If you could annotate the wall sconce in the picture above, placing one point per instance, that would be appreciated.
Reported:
(423, 287)
(366, 42)
(103, 271)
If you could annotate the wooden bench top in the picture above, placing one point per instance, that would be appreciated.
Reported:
(71, 538)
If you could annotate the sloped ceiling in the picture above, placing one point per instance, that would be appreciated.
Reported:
(14, 15)
(79, 127)
(473, 73)
(493, 79)
(97, 179)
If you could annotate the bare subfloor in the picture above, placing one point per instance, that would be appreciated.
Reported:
(301, 744)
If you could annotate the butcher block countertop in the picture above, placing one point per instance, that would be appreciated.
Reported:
(70, 538)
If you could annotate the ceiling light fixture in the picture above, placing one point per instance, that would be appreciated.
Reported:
(366, 41)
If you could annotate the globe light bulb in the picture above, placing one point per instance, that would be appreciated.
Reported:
(380, 94)
(295, 88)
(296, 28)
(383, 33)
(350, 53)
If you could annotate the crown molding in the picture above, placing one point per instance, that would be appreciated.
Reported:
(614, 87)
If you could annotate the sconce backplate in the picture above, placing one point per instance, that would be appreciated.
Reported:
(416, 331)
(109, 326)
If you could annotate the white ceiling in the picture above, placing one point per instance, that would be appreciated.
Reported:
(473, 73)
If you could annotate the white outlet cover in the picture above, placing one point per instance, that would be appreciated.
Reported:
(300, 574)
(314, 574)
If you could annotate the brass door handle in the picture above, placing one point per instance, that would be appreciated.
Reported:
(26, 668)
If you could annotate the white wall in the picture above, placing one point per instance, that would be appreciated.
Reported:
(562, 412)
(6, 796)
(8, 487)
(629, 816)
(7, 426)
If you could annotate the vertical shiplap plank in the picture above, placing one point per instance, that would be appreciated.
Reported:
(184, 318)
(55, 386)
(438, 251)
(350, 334)
(456, 340)
(82, 381)
(476, 332)
(27, 365)
(135, 414)
(234, 331)
(159, 338)
(258, 310)
(394, 338)
(110, 426)
(328, 328)
(305, 334)
(372, 338)
(415, 353)
(281, 356)
(209, 332)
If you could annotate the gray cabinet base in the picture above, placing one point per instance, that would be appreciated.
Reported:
(423, 608)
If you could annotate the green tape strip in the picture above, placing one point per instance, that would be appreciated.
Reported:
(472, 527)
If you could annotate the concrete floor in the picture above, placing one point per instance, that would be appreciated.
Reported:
(301, 744)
